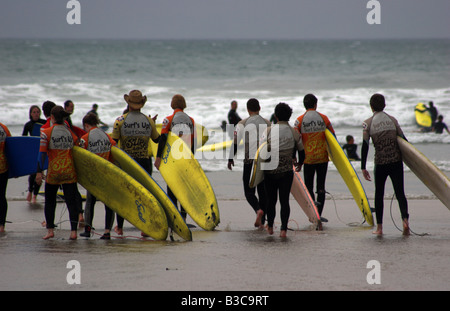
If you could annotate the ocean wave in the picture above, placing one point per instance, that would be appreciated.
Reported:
(344, 107)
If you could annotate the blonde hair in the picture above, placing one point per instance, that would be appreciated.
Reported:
(178, 102)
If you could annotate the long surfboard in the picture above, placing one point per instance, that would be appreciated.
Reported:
(426, 171)
(187, 180)
(131, 167)
(304, 199)
(120, 192)
(422, 115)
(218, 146)
(201, 131)
(348, 174)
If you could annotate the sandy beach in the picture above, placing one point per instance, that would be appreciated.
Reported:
(235, 257)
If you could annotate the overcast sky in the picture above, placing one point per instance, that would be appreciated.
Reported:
(225, 19)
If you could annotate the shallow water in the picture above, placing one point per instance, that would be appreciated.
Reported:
(236, 256)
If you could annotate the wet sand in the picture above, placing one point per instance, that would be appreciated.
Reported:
(235, 257)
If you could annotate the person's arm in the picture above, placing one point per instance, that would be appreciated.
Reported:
(161, 145)
(365, 151)
(236, 139)
(40, 168)
(234, 148)
(300, 150)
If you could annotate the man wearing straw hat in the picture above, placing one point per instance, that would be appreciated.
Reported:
(132, 131)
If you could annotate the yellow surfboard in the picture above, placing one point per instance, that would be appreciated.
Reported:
(201, 132)
(216, 146)
(423, 116)
(348, 174)
(131, 167)
(187, 180)
(257, 175)
(120, 192)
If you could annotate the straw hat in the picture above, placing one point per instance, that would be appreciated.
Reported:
(135, 99)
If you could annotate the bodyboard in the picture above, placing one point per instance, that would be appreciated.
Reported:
(22, 153)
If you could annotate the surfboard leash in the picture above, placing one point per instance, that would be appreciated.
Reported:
(392, 218)
(350, 224)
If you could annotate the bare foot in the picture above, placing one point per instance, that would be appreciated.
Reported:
(283, 233)
(49, 235)
(29, 197)
(270, 230)
(118, 230)
(34, 199)
(259, 216)
(379, 230)
(405, 227)
(80, 221)
(73, 235)
(2, 229)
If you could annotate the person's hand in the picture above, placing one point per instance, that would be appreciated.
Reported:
(39, 178)
(366, 175)
(157, 163)
(230, 164)
(298, 166)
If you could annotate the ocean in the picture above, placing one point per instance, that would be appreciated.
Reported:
(343, 74)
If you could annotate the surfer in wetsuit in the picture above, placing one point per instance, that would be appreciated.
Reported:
(100, 143)
(32, 128)
(132, 131)
(250, 130)
(284, 141)
(181, 125)
(350, 147)
(433, 112)
(312, 125)
(233, 117)
(384, 129)
(57, 142)
(4, 132)
(94, 111)
(439, 126)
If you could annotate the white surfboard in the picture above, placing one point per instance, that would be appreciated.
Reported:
(426, 171)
